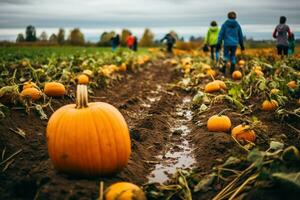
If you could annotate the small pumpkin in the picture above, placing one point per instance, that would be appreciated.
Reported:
(54, 89)
(269, 105)
(29, 84)
(292, 84)
(222, 84)
(211, 72)
(258, 72)
(237, 75)
(31, 93)
(274, 91)
(241, 63)
(82, 79)
(205, 66)
(242, 132)
(123, 67)
(212, 87)
(124, 191)
(88, 139)
(257, 68)
(186, 61)
(218, 123)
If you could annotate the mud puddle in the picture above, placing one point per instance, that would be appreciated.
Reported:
(178, 152)
(153, 97)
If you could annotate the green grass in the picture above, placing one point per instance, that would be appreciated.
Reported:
(43, 53)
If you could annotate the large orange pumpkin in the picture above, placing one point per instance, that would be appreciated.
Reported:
(242, 132)
(219, 123)
(269, 105)
(124, 191)
(31, 93)
(54, 89)
(88, 138)
(212, 87)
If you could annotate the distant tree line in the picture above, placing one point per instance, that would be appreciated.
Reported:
(76, 37)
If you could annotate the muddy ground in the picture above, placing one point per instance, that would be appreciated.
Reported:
(148, 105)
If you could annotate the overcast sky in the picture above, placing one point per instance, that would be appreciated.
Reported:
(143, 13)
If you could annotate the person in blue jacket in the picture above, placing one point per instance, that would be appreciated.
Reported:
(231, 34)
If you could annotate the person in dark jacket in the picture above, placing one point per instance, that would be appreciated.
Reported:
(135, 44)
(115, 42)
(170, 39)
(232, 35)
(282, 33)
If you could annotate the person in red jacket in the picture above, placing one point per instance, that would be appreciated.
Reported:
(130, 41)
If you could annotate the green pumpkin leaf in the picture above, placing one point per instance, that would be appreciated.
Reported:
(257, 157)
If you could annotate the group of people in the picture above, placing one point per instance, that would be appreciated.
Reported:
(131, 42)
(230, 35)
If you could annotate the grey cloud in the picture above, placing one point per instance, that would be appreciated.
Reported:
(117, 13)
(15, 2)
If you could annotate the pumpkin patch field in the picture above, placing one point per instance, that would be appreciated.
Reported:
(88, 123)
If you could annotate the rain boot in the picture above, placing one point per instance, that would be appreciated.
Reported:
(232, 68)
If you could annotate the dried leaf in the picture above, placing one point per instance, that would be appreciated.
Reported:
(41, 112)
(274, 145)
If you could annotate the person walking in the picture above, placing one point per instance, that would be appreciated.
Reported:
(282, 34)
(211, 40)
(232, 35)
(115, 42)
(135, 44)
(170, 39)
(130, 41)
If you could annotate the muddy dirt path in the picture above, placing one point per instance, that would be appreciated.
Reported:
(149, 109)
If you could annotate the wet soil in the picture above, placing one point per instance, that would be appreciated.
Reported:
(157, 132)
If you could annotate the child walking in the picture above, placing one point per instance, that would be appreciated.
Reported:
(211, 40)
(231, 34)
(282, 33)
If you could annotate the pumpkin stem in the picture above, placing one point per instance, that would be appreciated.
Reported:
(81, 96)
